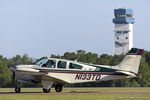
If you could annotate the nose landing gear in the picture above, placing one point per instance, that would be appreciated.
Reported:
(17, 88)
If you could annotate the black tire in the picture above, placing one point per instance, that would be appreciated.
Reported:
(46, 90)
(58, 88)
(17, 89)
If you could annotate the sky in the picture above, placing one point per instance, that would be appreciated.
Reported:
(44, 27)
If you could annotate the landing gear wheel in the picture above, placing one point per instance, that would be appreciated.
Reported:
(58, 88)
(46, 90)
(17, 89)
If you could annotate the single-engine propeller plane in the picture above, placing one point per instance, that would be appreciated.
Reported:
(60, 71)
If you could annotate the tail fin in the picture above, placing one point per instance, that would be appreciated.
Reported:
(132, 60)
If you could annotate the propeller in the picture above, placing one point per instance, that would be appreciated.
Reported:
(13, 77)
(13, 74)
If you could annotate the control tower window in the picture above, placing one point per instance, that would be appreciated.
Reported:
(117, 16)
(119, 32)
(123, 15)
(120, 16)
(128, 15)
(61, 64)
(125, 32)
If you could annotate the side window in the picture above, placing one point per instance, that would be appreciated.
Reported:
(61, 64)
(75, 66)
(50, 64)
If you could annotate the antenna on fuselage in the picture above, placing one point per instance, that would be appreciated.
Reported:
(76, 60)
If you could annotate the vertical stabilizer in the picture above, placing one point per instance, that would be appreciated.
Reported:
(132, 60)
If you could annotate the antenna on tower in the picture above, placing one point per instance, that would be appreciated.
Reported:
(76, 60)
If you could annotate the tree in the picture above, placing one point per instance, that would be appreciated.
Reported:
(5, 74)
(82, 56)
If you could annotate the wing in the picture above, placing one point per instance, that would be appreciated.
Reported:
(36, 76)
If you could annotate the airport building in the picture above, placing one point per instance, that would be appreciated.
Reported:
(123, 30)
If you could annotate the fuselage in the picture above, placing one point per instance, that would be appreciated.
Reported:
(66, 72)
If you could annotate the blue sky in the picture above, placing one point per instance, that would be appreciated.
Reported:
(44, 27)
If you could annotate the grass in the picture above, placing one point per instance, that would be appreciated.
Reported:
(79, 96)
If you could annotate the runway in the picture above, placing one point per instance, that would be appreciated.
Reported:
(76, 92)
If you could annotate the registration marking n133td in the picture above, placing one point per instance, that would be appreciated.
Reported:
(87, 77)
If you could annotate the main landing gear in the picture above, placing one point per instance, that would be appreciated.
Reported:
(58, 88)
(48, 84)
(46, 90)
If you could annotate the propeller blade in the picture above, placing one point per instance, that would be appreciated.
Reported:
(13, 81)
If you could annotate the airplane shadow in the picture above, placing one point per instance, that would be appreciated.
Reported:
(74, 92)
(5, 93)
(70, 92)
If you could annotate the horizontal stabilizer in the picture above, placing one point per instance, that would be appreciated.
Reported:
(126, 73)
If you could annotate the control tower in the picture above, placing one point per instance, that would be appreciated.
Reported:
(123, 30)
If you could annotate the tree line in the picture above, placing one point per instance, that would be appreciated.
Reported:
(81, 56)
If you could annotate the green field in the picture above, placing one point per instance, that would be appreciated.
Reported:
(78, 94)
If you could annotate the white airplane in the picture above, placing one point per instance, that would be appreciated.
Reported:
(60, 71)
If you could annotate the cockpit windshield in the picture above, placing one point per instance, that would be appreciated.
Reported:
(40, 62)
